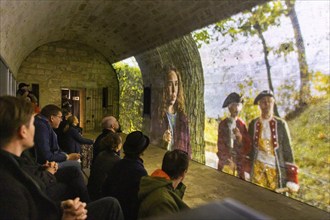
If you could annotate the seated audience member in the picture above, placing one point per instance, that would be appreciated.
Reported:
(124, 179)
(21, 197)
(45, 139)
(162, 192)
(34, 101)
(66, 113)
(109, 125)
(23, 90)
(59, 185)
(103, 164)
(72, 138)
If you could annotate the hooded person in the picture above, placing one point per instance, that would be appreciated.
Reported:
(162, 192)
(123, 180)
(273, 163)
(233, 140)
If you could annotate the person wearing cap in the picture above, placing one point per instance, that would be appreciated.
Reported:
(162, 192)
(124, 179)
(233, 139)
(273, 164)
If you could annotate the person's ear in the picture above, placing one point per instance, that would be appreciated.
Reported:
(22, 131)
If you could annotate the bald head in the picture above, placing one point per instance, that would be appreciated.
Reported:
(110, 123)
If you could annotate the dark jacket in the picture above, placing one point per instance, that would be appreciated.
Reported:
(158, 197)
(123, 183)
(20, 195)
(97, 148)
(72, 140)
(99, 172)
(59, 132)
(66, 183)
(45, 142)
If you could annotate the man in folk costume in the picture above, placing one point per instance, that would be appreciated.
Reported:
(273, 163)
(233, 139)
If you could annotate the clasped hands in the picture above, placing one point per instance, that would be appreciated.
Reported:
(74, 209)
(51, 167)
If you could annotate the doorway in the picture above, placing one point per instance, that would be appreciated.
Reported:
(71, 100)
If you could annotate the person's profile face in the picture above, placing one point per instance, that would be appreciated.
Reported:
(172, 87)
(30, 130)
(266, 105)
(55, 120)
(114, 123)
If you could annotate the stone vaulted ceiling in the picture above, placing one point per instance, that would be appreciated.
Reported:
(118, 29)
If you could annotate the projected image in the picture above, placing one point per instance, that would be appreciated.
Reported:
(174, 123)
(234, 142)
(273, 163)
(267, 96)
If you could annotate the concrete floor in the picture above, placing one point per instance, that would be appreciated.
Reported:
(205, 184)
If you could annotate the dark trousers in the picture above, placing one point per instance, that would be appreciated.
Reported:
(107, 208)
(70, 184)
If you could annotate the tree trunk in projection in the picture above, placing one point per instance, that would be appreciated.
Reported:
(305, 76)
(183, 54)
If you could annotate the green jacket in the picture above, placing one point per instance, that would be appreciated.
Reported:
(157, 197)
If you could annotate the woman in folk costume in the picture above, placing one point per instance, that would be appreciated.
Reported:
(233, 139)
(273, 163)
(174, 124)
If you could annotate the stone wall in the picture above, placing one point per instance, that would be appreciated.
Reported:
(183, 54)
(67, 64)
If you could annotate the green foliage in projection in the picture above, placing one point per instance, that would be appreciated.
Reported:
(261, 17)
(130, 97)
(284, 49)
(247, 24)
(211, 134)
(249, 111)
(321, 84)
(250, 23)
(289, 96)
(310, 134)
(202, 36)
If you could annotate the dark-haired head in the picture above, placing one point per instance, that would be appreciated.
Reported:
(175, 163)
(111, 142)
(50, 110)
(14, 112)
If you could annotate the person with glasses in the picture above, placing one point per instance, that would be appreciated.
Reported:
(22, 194)
(45, 139)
